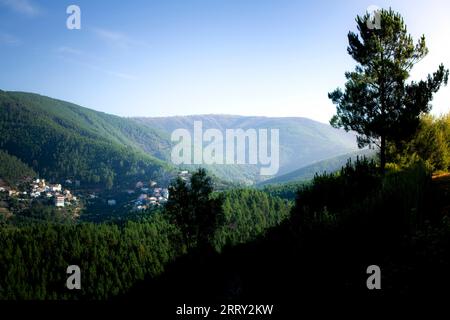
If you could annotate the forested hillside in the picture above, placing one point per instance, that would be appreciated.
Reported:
(12, 170)
(115, 257)
(35, 257)
(248, 214)
(60, 140)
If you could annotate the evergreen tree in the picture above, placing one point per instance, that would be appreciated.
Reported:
(195, 209)
(377, 102)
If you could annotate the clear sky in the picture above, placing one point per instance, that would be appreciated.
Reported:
(159, 58)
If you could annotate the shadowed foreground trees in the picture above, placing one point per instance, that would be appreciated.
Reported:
(195, 209)
(34, 258)
(341, 224)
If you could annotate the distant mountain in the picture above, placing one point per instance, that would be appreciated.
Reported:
(302, 141)
(308, 172)
(61, 140)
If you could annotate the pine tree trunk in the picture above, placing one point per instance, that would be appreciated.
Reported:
(382, 154)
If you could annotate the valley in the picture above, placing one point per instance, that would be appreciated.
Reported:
(209, 159)
(45, 133)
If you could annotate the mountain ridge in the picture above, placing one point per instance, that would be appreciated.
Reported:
(62, 139)
(302, 141)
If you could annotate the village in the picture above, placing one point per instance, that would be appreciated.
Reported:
(96, 203)
(150, 195)
(38, 190)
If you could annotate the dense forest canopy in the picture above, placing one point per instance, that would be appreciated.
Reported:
(113, 257)
(12, 170)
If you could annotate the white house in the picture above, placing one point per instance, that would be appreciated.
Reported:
(59, 201)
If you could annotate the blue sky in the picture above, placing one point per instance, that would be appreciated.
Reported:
(159, 58)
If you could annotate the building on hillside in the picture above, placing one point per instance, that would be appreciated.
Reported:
(56, 188)
(111, 202)
(59, 201)
(41, 183)
(12, 193)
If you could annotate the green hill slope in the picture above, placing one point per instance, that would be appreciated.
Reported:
(61, 140)
(308, 172)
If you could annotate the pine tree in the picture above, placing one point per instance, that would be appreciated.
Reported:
(377, 102)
